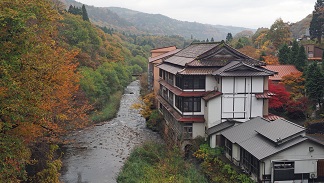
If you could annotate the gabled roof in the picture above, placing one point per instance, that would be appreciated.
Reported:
(279, 130)
(210, 55)
(282, 71)
(258, 136)
(239, 68)
(244, 131)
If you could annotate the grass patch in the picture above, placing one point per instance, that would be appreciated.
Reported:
(153, 162)
(110, 110)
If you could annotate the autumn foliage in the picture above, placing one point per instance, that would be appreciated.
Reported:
(38, 81)
(271, 60)
(281, 97)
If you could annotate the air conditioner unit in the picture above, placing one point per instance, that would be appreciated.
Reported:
(313, 175)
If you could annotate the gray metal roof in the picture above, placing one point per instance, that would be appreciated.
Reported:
(260, 146)
(182, 61)
(220, 127)
(244, 131)
(279, 130)
(169, 68)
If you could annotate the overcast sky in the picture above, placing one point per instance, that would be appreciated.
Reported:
(242, 13)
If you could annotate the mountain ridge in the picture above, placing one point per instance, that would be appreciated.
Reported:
(136, 22)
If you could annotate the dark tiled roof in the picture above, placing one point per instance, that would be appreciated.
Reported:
(211, 55)
(237, 68)
(181, 93)
(179, 117)
(195, 50)
(197, 71)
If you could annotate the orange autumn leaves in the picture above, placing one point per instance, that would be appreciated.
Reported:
(38, 78)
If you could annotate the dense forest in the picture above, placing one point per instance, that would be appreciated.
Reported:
(58, 73)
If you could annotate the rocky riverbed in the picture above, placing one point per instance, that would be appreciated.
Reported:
(96, 154)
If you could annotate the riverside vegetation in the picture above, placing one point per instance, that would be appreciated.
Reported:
(58, 73)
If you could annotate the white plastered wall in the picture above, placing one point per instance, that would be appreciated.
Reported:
(198, 129)
(297, 153)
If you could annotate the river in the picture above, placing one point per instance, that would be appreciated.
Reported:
(97, 154)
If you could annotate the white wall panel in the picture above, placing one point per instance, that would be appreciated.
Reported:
(227, 107)
(214, 112)
(240, 86)
(257, 84)
(210, 83)
(227, 84)
(239, 106)
(257, 107)
(198, 129)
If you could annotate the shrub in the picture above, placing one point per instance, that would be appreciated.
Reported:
(154, 120)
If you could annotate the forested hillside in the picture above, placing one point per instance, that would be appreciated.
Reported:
(134, 22)
(58, 73)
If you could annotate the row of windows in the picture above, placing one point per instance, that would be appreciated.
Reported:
(166, 76)
(188, 104)
(191, 82)
(251, 163)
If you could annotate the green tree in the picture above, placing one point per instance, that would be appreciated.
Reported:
(322, 61)
(283, 54)
(279, 33)
(229, 37)
(314, 84)
(301, 59)
(212, 40)
(293, 53)
(84, 14)
(316, 28)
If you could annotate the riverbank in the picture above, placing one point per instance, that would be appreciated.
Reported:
(97, 153)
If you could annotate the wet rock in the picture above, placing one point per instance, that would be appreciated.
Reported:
(120, 135)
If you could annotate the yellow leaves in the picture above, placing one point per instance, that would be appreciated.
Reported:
(145, 105)
(271, 60)
(295, 83)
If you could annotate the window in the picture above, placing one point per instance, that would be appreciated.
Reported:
(283, 170)
(160, 73)
(188, 104)
(251, 163)
(190, 82)
(170, 98)
(187, 131)
(228, 147)
(170, 79)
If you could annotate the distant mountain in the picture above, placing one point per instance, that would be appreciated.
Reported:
(156, 24)
(300, 28)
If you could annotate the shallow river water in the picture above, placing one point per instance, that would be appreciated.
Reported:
(96, 154)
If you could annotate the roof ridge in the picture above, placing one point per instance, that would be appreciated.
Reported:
(290, 122)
